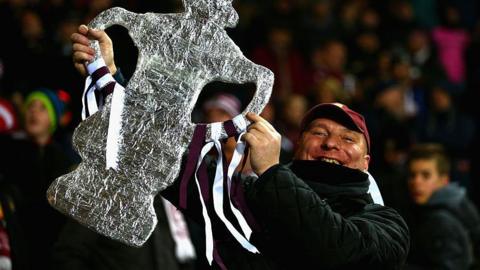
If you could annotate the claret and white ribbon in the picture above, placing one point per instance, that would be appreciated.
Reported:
(218, 190)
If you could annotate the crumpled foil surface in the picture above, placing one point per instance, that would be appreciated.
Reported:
(178, 55)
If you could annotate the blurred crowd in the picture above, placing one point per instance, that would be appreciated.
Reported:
(411, 67)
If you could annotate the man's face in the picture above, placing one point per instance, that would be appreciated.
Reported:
(330, 141)
(424, 179)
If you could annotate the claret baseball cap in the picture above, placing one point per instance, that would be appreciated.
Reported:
(339, 113)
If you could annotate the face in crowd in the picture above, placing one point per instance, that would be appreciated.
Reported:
(37, 119)
(327, 140)
(424, 179)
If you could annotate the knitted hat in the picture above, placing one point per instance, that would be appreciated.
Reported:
(339, 113)
(226, 102)
(8, 116)
(52, 103)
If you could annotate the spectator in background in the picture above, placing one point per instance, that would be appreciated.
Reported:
(36, 48)
(425, 12)
(29, 165)
(391, 129)
(318, 24)
(8, 117)
(220, 108)
(445, 124)
(329, 90)
(285, 61)
(292, 111)
(347, 21)
(11, 245)
(413, 96)
(425, 68)
(365, 49)
(451, 42)
(399, 22)
(329, 61)
(444, 224)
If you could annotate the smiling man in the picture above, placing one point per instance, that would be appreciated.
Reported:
(316, 212)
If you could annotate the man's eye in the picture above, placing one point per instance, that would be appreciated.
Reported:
(349, 139)
(319, 133)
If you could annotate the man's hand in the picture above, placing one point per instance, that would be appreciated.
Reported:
(264, 142)
(83, 53)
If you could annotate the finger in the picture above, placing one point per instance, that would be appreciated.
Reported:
(264, 127)
(99, 35)
(80, 38)
(81, 68)
(252, 117)
(255, 118)
(261, 126)
(250, 139)
(81, 57)
(78, 47)
(259, 137)
(83, 29)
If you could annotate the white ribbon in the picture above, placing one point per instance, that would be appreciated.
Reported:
(217, 193)
(116, 110)
(208, 223)
(114, 126)
(236, 159)
(240, 123)
(184, 249)
(89, 94)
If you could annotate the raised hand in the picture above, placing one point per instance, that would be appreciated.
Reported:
(264, 142)
(83, 53)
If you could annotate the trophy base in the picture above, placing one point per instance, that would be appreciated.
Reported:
(115, 212)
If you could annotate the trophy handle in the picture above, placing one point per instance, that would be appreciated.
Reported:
(231, 128)
(264, 81)
(107, 18)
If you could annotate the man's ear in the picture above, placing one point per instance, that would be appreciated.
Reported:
(366, 161)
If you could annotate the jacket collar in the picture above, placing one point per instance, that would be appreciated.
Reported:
(330, 179)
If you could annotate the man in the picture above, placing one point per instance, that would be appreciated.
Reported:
(315, 213)
(445, 225)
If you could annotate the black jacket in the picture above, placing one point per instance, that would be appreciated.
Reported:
(315, 215)
(445, 231)
(29, 169)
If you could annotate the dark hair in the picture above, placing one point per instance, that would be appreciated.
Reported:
(431, 151)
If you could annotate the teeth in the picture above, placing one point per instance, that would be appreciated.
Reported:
(329, 160)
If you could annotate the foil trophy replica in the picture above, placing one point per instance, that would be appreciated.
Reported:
(178, 55)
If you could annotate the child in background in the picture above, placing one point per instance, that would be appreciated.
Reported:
(29, 165)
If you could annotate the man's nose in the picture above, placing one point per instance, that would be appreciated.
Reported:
(330, 142)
